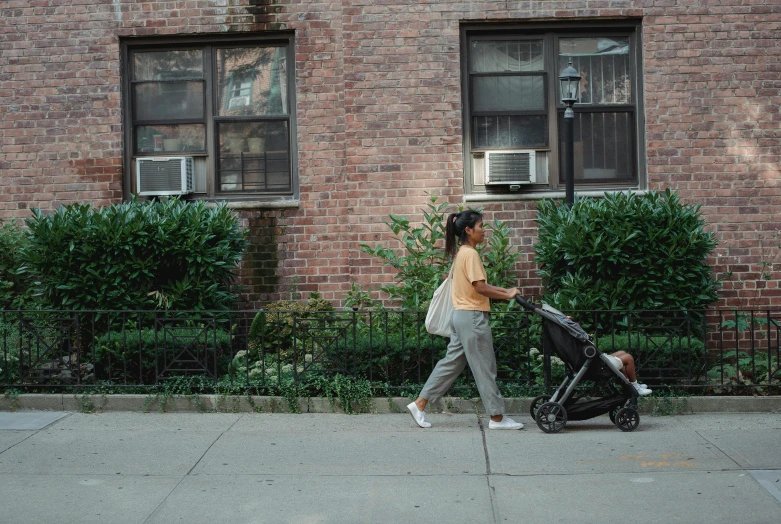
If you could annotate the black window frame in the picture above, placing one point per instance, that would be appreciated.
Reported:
(551, 33)
(210, 46)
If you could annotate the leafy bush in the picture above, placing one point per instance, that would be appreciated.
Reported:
(136, 255)
(424, 264)
(629, 252)
(16, 290)
(498, 256)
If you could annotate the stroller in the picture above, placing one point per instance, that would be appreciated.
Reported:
(583, 361)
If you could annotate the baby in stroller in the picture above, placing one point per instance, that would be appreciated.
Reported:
(615, 388)
(625, 363)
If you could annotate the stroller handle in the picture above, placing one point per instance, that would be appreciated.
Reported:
(524, 303)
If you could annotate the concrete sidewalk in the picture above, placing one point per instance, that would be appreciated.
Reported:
(123, 467)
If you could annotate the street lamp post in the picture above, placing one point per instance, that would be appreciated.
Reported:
(569, 80)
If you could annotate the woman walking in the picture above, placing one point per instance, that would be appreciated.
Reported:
(470, 339)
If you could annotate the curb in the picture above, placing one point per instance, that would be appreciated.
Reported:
(260, 404)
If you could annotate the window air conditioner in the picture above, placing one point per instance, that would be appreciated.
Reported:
(238, 101)
(510, 167)
(171, 175)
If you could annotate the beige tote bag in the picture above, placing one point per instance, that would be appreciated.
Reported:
(441, 308)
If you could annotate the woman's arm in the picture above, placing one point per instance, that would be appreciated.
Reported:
(487, 290)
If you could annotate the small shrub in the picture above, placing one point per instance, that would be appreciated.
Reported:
(741, 374)
(423, 265)
(274, 328)
(557, 368)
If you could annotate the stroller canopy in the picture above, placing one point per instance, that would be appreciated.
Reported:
(565, 338)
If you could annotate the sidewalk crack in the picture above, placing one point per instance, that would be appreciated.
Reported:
(485, 447)
(157, 508)
(35, 432)
(491, 494)
(212, 444)
(709, 441)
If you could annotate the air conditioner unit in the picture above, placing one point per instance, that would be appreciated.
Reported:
(238, 101)
(169, 175)
(510, 167)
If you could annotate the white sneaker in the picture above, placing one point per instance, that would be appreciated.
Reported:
(418, 416)
(641, 389)
(505, 423)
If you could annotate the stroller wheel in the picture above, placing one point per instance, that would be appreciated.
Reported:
(551, 417)
(612, 414)
(536, 403)
(627, 419)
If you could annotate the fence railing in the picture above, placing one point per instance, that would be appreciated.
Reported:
(711, 351)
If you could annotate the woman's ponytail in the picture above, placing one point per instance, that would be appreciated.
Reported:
(451, 247)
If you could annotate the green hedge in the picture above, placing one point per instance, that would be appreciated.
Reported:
(136, 356)
(9, 351)
(15, 286)
(659, 354)
(136, 255)
(627, 252)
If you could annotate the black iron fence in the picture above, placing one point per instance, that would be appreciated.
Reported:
(715, 351)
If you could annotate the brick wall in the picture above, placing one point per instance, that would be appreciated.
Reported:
(379, 121)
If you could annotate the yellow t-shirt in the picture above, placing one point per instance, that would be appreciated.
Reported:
(468, 268)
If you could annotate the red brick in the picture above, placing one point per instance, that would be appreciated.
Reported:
(379, 118)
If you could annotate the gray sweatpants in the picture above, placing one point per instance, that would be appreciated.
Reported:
(470, 343)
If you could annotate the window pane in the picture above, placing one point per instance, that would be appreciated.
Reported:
(166, 100)
(505, 132)
(254, 156)
(506, 55)
(508, 93)
(252, 81)
(603, 147)
(603, 64)
(168, 65)
(171, 139)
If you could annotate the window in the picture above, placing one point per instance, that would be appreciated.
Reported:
(513, 114)
(228, 104)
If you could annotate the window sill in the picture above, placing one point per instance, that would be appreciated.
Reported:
(257, 204)
(539, 195)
